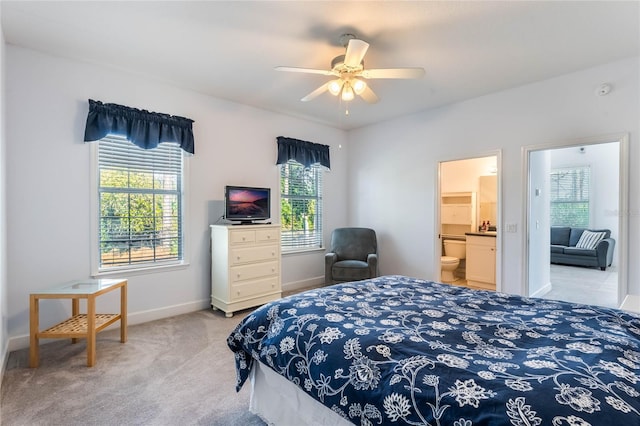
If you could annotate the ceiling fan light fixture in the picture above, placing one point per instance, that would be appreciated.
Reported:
(349, 77)
(347, 92)
(335, 86)
(359, 86)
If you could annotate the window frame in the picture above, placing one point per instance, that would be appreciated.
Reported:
(318, 244)
(146, 267)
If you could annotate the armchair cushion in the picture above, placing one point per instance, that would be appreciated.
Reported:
(350, 270)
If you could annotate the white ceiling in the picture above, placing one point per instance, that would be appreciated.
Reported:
(228, 49)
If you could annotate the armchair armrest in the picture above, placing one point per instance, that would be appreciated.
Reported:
(329, 259)
(372, 261)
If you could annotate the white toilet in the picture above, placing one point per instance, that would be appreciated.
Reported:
(454, 250)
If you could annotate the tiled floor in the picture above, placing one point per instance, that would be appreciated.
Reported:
(584, 285)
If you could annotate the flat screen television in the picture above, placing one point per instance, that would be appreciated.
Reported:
(245, 204)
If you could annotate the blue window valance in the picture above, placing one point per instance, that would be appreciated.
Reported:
(142, 128)
(305, 153)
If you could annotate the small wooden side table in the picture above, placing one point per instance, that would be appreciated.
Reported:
(79, 325)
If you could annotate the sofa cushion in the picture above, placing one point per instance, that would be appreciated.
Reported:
(575, 235)
(574, 251)
(557, 249)
(589, 239)
(560, 235)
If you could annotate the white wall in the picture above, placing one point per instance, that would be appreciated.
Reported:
(48, 191)
(539, 217)
(393, 165)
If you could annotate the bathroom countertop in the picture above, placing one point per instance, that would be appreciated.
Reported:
(482, 234)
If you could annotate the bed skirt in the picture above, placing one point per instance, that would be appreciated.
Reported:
(279, 402)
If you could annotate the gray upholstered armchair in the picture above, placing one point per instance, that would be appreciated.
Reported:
(352, 256)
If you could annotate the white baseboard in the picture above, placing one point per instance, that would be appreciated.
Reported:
(4, 358)
(299, 285)
(544, 290)
(22, 342)
(631, 303)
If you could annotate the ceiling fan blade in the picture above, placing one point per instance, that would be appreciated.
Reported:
(305, 70)
(393, 73)
(355, 52)
(368, 95)
(319, 91)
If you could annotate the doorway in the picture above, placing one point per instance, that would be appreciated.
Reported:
(468, 196)
(596, 205)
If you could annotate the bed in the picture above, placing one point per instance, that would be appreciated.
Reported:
(400, 350)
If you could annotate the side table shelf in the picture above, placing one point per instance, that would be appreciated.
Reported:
(76, 326)
(79, 325)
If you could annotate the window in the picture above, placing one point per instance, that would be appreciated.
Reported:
(300, 206)
(570, 196)
(139, 204)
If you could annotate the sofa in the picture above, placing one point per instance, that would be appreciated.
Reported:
(568, 249)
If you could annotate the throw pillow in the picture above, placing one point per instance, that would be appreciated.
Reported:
(589, 239)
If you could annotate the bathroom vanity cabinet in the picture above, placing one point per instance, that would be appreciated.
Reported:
(481, 260)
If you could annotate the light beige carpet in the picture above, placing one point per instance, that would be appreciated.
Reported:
(175, 371)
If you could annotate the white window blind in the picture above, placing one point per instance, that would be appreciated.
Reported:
(300, 206)
(570, 189)
(140, 203)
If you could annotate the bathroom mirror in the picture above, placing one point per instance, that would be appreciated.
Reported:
(488, 199)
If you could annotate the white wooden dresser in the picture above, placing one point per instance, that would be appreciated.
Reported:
(245, 266)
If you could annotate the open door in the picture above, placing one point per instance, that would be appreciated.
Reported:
(587, 176)
(469, 196)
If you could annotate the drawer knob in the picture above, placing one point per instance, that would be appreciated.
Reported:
(268, 237)
(243, 238)
(238, 275)
(238, 258)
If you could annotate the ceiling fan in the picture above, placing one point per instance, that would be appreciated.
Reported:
(350, 72)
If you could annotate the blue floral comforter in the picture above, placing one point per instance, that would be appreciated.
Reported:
(398, 350)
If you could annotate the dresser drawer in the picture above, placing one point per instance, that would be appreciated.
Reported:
(256, 270)
(267, 235)
(242, 237)
(241, 255)
(253, 288)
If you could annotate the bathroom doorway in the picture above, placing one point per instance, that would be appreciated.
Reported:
(604, 161)
(468, 197)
